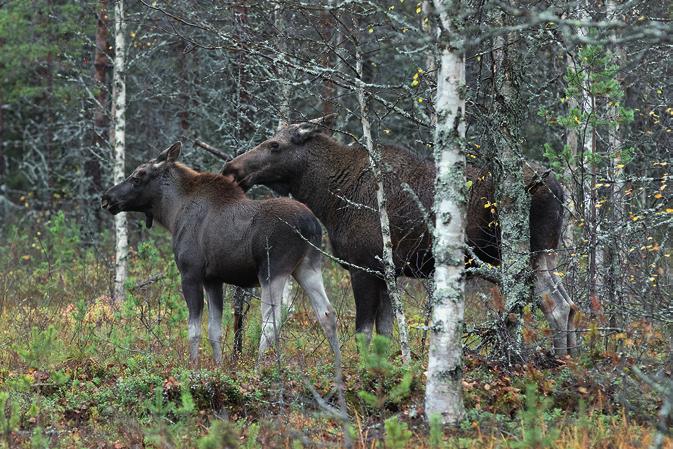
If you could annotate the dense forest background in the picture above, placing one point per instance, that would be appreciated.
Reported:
(585, 88)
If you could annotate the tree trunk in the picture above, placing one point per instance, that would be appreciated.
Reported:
(616, 201)
(512, 199)
(244, 124)
(118, 143)
(444, 390)
(326, 28)
(430, 59)
(589, 178)
(49, 110)
(184, 83)
(284, 106)
(100, 119)
(375, 162)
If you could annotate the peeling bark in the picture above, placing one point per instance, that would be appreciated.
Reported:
(444, 390)
(118, 143)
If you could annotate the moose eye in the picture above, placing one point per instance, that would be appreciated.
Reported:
(136, 181)
(274, 146)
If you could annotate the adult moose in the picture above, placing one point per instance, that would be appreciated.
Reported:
(221, 236)
(336, 183)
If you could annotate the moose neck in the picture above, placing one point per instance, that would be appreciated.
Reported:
(327, 174)
(166, 208)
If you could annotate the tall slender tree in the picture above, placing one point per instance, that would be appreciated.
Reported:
(101, 63)
(376, 165)
(119, 143)
(512, 199)
(444, 390)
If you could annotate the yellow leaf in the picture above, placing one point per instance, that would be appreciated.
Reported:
(669, 210)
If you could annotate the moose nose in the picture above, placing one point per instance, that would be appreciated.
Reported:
(105, 202)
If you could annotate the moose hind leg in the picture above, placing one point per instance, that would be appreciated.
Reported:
(367, 292)
(193, 292)
(554, 305)
(215, 303)
(309, 276)
(573, 348)
(271, 312)
(384, 314)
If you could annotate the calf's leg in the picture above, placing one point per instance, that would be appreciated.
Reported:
(309, 276)
(272, 293)
(192, 289)
(214, 293)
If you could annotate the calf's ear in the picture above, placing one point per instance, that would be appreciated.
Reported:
(170, 154)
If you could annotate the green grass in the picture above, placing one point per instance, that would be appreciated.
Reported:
(77, 370)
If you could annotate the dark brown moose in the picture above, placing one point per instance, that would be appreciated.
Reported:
(221, 236)
(335, 182)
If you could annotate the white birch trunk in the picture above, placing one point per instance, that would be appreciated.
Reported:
(284, 120)
(590, 198)
(118, 143)
(444, 390)
(388, 261)
(430, 59)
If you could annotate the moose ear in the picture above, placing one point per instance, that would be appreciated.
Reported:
(170, 154)
(303, 132)
(326, 121)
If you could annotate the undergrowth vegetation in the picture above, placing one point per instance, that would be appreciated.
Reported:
(77, 370)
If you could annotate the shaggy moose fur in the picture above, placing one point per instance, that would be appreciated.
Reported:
(336, 183)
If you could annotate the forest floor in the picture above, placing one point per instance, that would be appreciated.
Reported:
(78, 371)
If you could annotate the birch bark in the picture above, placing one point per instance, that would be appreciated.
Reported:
(284, 120)
(118, 143)
(444, 390)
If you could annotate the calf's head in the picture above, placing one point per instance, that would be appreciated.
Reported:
(137, 192)
(278, 160)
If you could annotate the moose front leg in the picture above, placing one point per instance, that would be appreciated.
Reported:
(192, 289)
